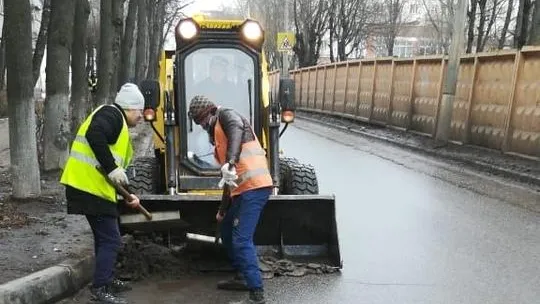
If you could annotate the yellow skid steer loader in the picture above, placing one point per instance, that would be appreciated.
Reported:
(224, 60)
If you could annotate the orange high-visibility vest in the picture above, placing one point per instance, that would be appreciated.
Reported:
(252, 167)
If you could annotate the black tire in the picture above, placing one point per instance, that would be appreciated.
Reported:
(285, 165)
(301, 180)
(143, 175)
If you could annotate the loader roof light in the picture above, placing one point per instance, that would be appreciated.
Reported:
(252, 30)
(187, 29)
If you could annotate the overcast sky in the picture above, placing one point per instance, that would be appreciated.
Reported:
(206, 5)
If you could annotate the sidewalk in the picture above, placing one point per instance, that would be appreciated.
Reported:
(488, 161)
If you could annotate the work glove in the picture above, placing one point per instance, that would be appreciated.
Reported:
(119, 176)
(228, 176)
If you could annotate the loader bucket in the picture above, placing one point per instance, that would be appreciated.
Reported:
(297, 227)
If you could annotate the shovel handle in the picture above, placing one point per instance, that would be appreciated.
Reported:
(125, 194)
(127, 197)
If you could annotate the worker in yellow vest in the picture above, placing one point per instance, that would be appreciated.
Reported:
(103, 146)
(245, 170)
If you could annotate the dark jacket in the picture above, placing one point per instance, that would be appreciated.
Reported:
(103, 131)
(236, 128)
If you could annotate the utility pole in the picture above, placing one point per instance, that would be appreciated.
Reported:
(449, 90)
(285, 68)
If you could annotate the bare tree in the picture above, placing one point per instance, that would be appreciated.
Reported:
(534, 35)
(22, 121)
(441, 16)
(310, 21)
(348, 26)
(57, 128)
(79, 87)
(507, 19)
(106, 64)
(392, 12)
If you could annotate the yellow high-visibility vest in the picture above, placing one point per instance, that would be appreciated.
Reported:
(80, 170)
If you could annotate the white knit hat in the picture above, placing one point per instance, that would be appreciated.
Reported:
(130, 97)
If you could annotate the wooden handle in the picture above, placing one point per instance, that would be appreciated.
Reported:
(145, 212)
(127, 197)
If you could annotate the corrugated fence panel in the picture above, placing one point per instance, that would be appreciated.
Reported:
(310, 102)
(297, 88)
(525, 124)
(352, 88)
(321, 88)
(339, 91)
(366, 89)
(381, 97)
(329, 87)
(490, 103)
(426, 99)
(464, 85)
(401, 102)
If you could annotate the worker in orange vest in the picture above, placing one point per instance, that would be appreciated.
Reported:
(245, 170)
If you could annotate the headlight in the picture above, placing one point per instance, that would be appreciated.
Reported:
(252, 30)
(187, 29)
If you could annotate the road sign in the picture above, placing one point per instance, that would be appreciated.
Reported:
(285, 41)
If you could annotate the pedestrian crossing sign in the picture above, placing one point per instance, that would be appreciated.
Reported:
(285, 41)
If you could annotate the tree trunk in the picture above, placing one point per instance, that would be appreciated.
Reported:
(79, 85)
(57, 127)
(472, 19)
(127, 43)
(481, 24)
(105, 57)
(504, 30)
(3, 58)
(142, 26)
(118, 26)
(158, 22)
(534, 35)
(25, 177)
(522, 24)
(41, 41)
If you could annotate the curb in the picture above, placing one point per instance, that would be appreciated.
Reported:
(50, 284)
(496, 170)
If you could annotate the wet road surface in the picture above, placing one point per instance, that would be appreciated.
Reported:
(412, 230)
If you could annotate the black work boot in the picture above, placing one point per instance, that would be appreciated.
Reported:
(120, 286)
(103, 295)
(236, 283)
(256, 296)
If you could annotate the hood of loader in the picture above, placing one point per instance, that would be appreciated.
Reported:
(301, 227)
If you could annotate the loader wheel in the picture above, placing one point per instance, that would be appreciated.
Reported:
(301, 180)
(143, 175)
(285, 165)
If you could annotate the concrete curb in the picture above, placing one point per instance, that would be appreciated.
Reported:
(49, 285)
(527, 178)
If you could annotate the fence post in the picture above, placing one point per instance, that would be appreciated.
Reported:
(373, 90)
(316, 87)
(334, 88)
(411, 96)
(358, 89)
(324, 89)
(391, 94)
(345, 97)
(439, 98)
(470, 99)
(518, 63)
(301, 86)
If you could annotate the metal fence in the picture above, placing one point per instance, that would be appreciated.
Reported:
(497, 102)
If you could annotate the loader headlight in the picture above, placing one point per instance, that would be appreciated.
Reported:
(252, 31)
(287, 116)
(187, 29)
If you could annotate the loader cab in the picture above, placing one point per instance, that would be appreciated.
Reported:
(227, 75)
(220, 59)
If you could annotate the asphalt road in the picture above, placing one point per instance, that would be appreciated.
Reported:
(412, 230)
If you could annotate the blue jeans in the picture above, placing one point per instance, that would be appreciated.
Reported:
(237, 230)
(107, 242)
